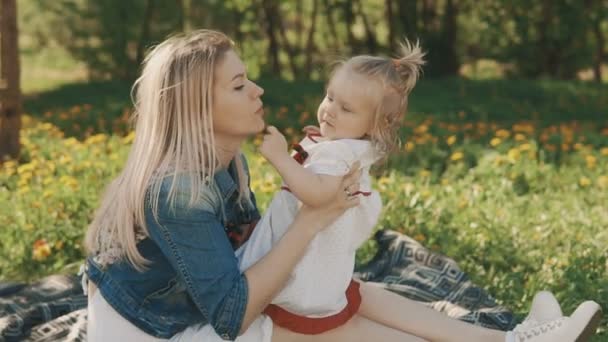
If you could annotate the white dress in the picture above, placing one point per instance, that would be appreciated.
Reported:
(317, 285)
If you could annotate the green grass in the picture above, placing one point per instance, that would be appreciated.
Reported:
(519, 216)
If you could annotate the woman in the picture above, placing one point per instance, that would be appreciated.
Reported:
(161, 260)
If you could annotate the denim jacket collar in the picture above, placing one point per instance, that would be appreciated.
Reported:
(225, 180)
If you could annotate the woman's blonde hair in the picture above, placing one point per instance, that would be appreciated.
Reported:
(397, 76)
(174, 134)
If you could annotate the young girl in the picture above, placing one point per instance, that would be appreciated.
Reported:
(358, 122)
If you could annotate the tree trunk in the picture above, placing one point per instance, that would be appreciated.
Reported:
(407, 17)
(599, 52)
(288, 47)
(298, 23)
(370, 36)
(450, 31)
(10, 93)
(332, 26)
(349, 17)
(390, 22)
(273, 46)
(310, 45)
(145, 32)
(429, 13)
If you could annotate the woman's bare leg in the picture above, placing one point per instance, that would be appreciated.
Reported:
(398, 312)
(357, 329)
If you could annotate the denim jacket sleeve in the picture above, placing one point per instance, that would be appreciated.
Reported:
(195, 243)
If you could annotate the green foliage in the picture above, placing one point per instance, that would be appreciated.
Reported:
(532, 39)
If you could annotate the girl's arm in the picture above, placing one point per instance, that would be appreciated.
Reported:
(311, 189)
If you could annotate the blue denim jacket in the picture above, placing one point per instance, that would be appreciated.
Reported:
(194, 276)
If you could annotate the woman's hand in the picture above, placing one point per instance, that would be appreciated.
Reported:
(319, 218)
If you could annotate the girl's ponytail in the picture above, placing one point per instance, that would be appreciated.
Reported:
(409, 64)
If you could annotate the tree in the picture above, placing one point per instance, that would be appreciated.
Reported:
(10, 93)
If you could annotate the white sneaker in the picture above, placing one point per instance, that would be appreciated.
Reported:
(544, 308)
(577, 328)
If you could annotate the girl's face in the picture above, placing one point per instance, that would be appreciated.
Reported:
(347, 111)
(237, 106)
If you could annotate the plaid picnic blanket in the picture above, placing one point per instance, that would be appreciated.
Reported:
(54, 309)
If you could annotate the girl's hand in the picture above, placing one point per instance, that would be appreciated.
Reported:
(319, 218)
(274, 145)
(313, 130)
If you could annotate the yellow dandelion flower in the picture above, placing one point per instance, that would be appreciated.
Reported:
(421, 129)
(26, 168)
(578, 146)
(565, 147)
(425, 194)
(41, 250)
(451, 140)
(513, 154)
(503, 133)
(525, 147)
(419, 237)
(591, 161)
(23, 190)
(96, 139)
(425, 173)
(456, 156)
(408, 188)
(584, 182)
(384, 181)
(495, 142)
(409, 146)
(10, 164)
(129, 138)
(47, 193)
(602, 181)
(520, 137)
(604, 151)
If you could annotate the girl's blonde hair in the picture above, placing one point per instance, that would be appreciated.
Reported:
(397, 76)
(173, 101)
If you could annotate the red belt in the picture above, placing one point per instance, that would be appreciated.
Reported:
(316, 325)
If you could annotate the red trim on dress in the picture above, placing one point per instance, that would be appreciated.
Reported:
(317, 325)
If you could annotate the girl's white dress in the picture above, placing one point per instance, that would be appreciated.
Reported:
(318, 283)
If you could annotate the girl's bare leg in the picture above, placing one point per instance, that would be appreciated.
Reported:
(357, 329)
(398, 312)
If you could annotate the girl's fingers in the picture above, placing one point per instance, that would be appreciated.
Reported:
(310, 129)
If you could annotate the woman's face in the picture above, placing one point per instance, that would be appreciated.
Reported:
(237, 106)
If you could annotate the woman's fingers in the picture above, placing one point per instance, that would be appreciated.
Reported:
(350, 182)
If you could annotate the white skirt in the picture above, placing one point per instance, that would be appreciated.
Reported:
(106, 324)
